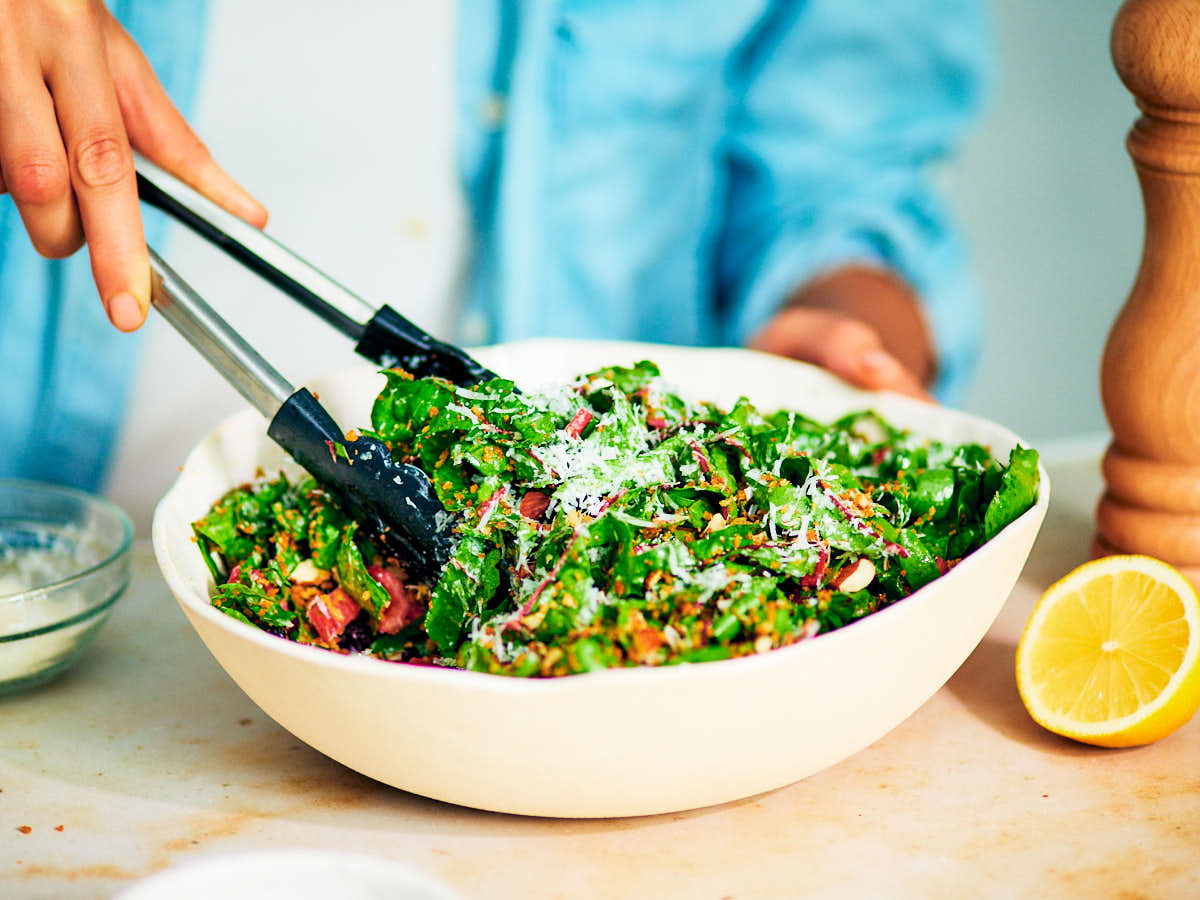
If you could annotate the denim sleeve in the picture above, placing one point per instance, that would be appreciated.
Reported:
(839, 108)
(66, 371)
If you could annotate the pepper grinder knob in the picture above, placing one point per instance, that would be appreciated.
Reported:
(1150, 371)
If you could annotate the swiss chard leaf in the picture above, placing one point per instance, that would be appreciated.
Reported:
(932, 492)
(326, 525)
(356, 580)
(919, 565)
(406, 406)
(627, 380)
(253, 604)
(466, 584)
(222, 527)
(1016, 494)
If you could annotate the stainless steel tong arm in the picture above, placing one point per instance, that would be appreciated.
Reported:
(227, 351)
(332, 301)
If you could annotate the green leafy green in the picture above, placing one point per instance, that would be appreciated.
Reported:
(466, 584)
(612, 522)
(354, 578)
(1017, 492)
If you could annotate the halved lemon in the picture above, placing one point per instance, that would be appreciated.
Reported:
(1111, 654)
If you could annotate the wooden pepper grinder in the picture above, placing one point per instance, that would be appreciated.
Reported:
(1150, 373)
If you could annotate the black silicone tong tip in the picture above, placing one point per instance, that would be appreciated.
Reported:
(394, 501)
(392, 340)
(391, 500)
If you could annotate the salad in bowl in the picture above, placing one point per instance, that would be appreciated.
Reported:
(674, 584)
(610, 521)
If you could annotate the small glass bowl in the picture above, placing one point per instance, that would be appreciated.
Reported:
(64, 562)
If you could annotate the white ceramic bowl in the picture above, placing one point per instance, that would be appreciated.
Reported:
(618, 742)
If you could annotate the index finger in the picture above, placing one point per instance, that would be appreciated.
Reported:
(102, 176)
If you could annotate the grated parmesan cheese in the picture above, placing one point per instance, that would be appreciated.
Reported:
(26, 572)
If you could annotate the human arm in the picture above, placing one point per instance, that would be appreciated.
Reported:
(839, 111)
(76, 93)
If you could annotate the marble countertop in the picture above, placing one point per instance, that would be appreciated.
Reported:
(146, 755)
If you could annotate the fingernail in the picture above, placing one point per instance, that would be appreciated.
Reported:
(882, 364)
(125, 312)
(252, 211)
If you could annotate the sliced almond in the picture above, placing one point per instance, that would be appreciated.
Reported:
(307, 573)
(854, 577)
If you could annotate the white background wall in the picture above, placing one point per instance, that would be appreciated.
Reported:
(341, 123)
(1047, 194)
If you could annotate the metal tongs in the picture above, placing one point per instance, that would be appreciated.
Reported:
(395, 501)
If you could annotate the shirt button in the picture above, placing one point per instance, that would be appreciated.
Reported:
(493, 110)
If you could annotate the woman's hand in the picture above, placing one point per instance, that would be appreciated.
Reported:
(75, 94)
(863, 325)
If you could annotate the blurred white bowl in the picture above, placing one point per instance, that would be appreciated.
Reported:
(297, 873)
(619, 742)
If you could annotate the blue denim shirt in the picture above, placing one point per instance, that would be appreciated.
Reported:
(65, 371)
(664, 170)
(670, 171)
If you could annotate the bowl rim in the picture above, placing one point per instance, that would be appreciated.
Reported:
(509, 685)
(122, 549)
